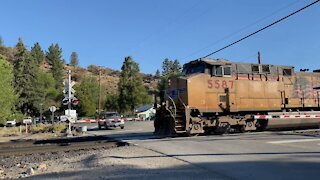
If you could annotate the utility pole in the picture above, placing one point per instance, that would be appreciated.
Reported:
(40, 120)
(99, 101)
(69, 100)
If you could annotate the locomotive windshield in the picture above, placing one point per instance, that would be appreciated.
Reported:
(195, 68)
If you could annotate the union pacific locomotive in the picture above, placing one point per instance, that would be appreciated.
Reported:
(217, 96)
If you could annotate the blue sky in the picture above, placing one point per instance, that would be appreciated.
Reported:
(104, 32)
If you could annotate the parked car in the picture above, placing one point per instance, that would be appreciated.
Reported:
(111, 119)
(11, 123)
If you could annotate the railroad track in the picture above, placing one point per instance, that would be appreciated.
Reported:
(57, 145)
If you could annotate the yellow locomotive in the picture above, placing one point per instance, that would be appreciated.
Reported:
(220, 95)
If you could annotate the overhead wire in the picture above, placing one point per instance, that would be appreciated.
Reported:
(166, 24)
(261, 29)
(240, 30)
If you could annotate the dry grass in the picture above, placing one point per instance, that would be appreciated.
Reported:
(59, 128)
(34, 129)
(10, 131)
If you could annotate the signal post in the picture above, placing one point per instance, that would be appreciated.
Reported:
(69, 98)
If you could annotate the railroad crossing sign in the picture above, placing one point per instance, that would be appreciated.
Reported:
(68, 92)
(68, 86)
(53, 109)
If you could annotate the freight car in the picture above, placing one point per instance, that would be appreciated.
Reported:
(216, 96)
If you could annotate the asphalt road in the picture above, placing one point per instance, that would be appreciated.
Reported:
(258, 155)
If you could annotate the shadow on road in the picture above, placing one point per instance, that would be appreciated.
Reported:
(288, 169)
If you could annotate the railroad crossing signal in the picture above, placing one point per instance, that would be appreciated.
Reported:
(68, 86)
(65, 101)
(75, 101)
(68, 92)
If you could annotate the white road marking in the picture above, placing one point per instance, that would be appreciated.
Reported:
(293, 141)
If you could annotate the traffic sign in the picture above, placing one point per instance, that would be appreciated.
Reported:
(53, 108)
(66, 87)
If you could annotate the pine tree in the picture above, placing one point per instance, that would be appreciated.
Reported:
(169, 68)
(37, 53)
(132, 93)
(1, 41)
(157, 75)
(7, 95)
(176, 68)
(26, 80)
(74, 59)
(20, 79)
(55, 60)
(166, 67)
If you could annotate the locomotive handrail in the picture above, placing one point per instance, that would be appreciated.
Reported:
(175, 108)
(182, 102)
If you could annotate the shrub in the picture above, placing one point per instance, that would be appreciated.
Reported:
(59, 128)
(40, 128)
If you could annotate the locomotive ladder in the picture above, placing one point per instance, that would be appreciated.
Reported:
(180, 121)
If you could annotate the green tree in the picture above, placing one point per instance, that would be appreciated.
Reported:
(37, 53)
(176, 68)
(7, 95)
(157, 75)
(1, 41)
(54, 59)
(21, 81)
(50, 95)
(26, 83)
(88, 93)
(166, 67)
(169, 68)
(74, 59)
(132, 93)
(111, 102)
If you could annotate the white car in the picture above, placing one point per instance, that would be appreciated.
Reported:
(27, 120)
(111, 119)
(11, 123)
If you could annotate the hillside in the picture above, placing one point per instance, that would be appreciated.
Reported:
(109, 77)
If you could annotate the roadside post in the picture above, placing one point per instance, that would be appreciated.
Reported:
(52, 109)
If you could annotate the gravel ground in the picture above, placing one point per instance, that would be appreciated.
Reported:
(127, 162)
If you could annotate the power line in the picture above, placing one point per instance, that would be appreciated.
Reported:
(240, 30)
(305, 7)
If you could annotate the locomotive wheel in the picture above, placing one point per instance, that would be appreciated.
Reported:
(222, 129)
(241, 129)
